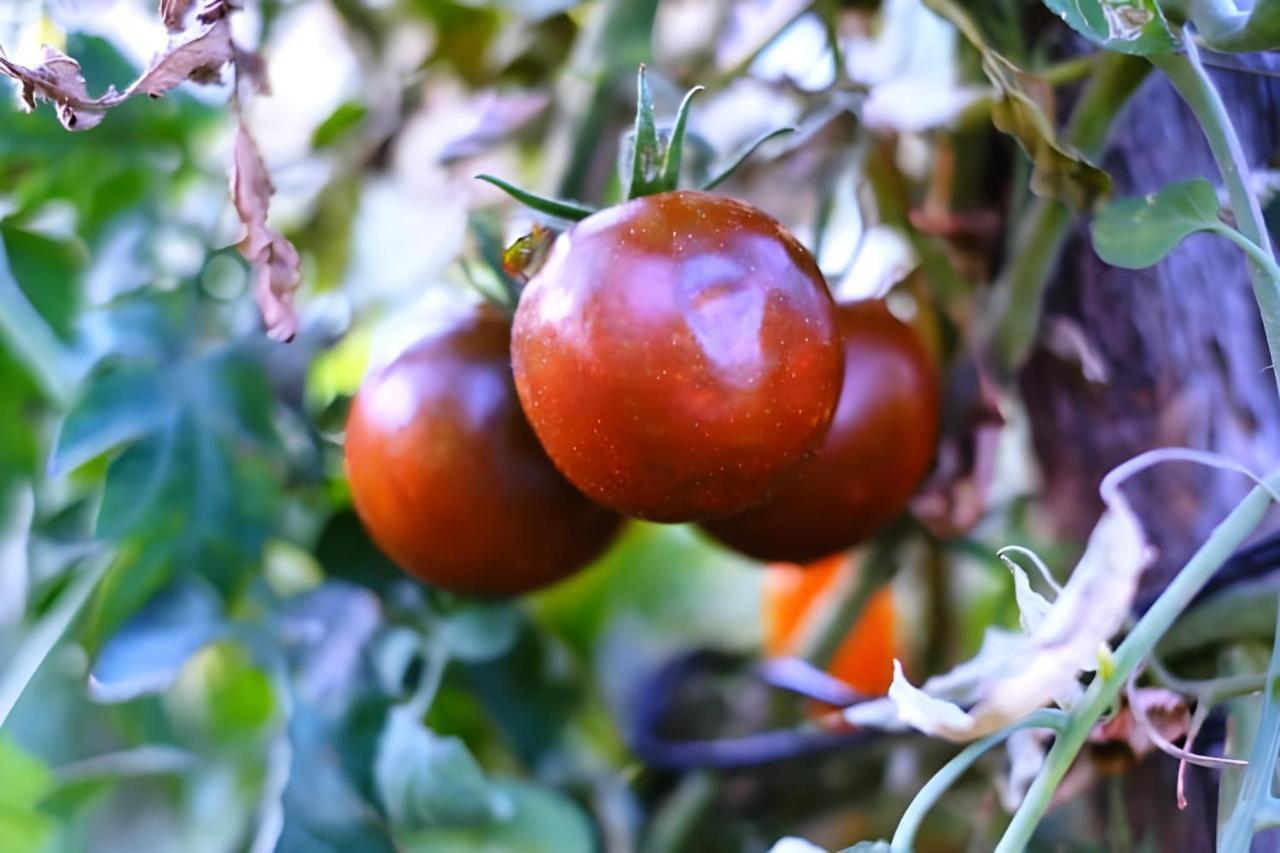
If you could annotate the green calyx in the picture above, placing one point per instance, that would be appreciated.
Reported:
(652, 163)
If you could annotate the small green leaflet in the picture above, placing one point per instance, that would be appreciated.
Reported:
(1139, 232)
(1126, 26)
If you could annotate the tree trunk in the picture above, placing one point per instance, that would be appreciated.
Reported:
(1185, 364)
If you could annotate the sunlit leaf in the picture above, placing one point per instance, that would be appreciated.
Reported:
(24, 781)
(1139, 232)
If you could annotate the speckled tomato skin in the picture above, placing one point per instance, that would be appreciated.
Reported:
(878, 450)
(677, 354)
(449, 479)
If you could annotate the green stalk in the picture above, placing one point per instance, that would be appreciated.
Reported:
(1102, 693)
(46, 633)
(1188, 76)
(1019, 291)
(1237, 833)
(905, 835)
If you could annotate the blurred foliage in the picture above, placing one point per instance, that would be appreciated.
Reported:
(251, 673)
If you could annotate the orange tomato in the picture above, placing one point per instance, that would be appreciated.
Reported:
(792, 593)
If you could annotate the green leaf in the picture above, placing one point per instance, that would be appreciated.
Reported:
(1139, 232)
(1126, 26)
(426, 780)
(1221, 26)
(672, 157)
(324, 809)
(116, 408)
(147, 653)
(645, 178)
(543, 821)
(24, 782)
(1022, 108)
(735, 164)
(344, 119)
(24, 779)
(481, 632)
(551, 207)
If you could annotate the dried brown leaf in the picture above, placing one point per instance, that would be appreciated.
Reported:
(198, 55)
(59, 80)
(274, 259)
(174, 13)
(954, 499)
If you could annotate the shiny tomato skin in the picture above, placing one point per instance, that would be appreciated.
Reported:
(677, 354)
(450, 481)
(878, 450)
(792, 594)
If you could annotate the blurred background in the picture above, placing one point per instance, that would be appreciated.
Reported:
(201, 650)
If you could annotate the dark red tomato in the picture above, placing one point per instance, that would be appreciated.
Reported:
(879, 448)
(450, 481)
(677, 354)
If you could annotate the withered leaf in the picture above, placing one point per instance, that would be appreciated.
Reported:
(1023, 109)
(174, 13)
(59, 80)
(197, 55)
(274, 259)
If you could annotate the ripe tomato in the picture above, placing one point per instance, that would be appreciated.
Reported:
(677, 354)
(864, 660)
(450, 481)
(878, 450)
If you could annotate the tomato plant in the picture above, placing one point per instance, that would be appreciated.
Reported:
(875, 454)
(257, 596)
(449, 479)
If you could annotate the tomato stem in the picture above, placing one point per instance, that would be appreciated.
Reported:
(1037, 242)
(905, 835)
(1102, 693)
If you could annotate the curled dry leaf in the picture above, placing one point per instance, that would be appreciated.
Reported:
(1149, 718)
(274, 259)
(954, 499)
(198, 54)
(174, 13)
(1016, 674)
(59, 80)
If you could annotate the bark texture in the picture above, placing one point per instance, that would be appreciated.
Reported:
(1181, 344)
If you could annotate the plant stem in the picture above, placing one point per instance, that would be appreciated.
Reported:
(1192, 82)
(50, 362)
(46, 633)
(1237, 833)
(1100, 695)
(875, 570)
(905, 835)
(1019, 291)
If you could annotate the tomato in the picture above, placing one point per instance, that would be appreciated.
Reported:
(677, 354)
(450, 481)
(878, 450)
(864, 659)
